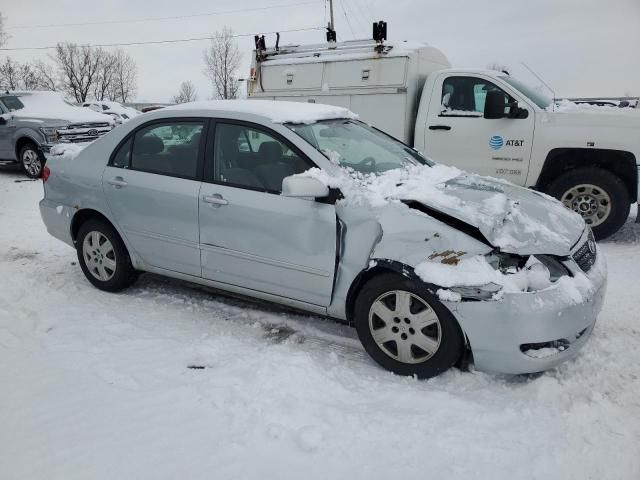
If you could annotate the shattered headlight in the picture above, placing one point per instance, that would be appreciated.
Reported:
(528, 273)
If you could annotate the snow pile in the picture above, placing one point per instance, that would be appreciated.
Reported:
(512, 218)
(276, 111)
(476, 271)
(567, 106)
(67, 150)
(51, 105)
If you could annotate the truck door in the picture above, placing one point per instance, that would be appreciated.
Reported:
(457, 133)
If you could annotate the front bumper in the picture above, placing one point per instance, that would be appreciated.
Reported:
(499, 331)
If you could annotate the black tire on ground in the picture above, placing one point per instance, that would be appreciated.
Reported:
(451, 345)
(605, 181)
(31, 159)
(123, 275)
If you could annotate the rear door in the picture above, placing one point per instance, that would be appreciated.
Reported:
(252, 236)
(152, 184)
(458, 134)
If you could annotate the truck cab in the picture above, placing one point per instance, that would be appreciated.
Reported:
(482, 121)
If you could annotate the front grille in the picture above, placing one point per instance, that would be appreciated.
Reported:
(83, 132)
(585, 256)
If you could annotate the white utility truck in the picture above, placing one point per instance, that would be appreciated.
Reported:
(481, 121)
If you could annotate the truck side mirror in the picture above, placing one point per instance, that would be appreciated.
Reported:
(495, 104)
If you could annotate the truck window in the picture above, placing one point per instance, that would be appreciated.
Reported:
(12, 103)
(465, 96)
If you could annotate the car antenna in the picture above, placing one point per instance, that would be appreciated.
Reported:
(553, 107)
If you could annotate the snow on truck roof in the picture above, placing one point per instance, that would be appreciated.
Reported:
(276, 111)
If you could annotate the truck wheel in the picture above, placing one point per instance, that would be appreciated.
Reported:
(31, 160)
(598, 195)
(406, 329)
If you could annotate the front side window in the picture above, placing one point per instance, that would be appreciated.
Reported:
(170, 148)
(465, 96)
(358, 146)
(252, 158)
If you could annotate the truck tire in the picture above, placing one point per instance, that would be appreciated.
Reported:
(598, 195)
(32, 160)
(406, 329)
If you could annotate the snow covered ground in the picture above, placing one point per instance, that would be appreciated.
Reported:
(105, 386)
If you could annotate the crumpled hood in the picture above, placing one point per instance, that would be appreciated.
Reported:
(512, 218)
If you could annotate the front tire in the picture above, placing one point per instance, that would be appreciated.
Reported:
(103, 256)
(599, 196)
(405, 328)
(32, 160)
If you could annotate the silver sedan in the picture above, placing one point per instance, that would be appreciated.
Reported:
(304, 205)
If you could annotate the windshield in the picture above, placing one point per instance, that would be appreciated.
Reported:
(536, 97)
(12, 103)
(354, 144)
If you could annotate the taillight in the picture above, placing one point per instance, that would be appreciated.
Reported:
(45, 174)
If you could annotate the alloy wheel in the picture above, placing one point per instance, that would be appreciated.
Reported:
(99, 256)
(405, 327)
(32, 163)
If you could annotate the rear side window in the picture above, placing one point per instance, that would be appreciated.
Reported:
(170, 148)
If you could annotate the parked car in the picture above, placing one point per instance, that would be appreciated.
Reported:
(303, 205)
(33, 122)
(482, 121)
(119, 112)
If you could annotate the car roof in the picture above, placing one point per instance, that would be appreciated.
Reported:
(274, 111)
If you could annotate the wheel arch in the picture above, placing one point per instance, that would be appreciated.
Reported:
(618, 162)
(380, 266)
(82, 216)
(21, 142)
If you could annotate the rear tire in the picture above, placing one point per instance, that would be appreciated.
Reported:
(103, 256)
(598, 195)
(32, 160)
(405, 328)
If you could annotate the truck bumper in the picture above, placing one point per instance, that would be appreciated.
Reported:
(531, 332)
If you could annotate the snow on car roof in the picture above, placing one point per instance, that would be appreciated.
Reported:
(276, 111)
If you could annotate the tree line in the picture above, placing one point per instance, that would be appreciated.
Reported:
(84, 72)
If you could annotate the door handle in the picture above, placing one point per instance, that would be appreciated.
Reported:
(216, 200)
(117, 182)
(439, 127)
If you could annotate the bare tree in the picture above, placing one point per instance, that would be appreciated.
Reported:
(105, 78)
(47, 79)
(125, 77)
(78, 66)
(222, 60)
(187, 93)
(10, 74)
(3, 32)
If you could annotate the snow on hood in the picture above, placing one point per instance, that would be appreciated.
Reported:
(277, 112)
(512, 218)
(51, 106)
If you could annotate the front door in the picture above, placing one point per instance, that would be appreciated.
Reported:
(152, 185)
(250, 235)
(457, 133)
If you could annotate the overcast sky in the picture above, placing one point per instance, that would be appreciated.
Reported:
(579, 47)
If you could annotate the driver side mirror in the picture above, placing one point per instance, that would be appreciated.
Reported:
(496, 104)
(305, 187)
(3, 120)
